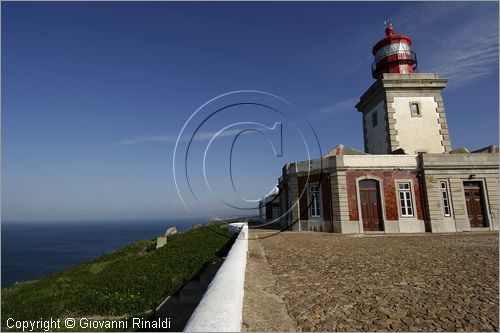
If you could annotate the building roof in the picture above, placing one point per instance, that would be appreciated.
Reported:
(460, 150)
(342, 150)
(490, 149)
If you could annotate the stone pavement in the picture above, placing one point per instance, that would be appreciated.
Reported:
(331, 282)
(263, 310)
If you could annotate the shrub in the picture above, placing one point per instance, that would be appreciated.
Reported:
(130, 281)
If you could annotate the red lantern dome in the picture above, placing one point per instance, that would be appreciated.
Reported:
(393, 55)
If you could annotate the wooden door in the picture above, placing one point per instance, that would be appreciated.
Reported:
(370, 205)
(475, 204)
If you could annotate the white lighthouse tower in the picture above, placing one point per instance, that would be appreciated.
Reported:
(403, 110)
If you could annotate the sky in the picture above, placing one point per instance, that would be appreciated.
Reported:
(95, 96)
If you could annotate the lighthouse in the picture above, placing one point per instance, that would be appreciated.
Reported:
(393, 54)
(403, 110)
(410, 180)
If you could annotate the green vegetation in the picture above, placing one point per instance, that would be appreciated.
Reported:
(129, 282)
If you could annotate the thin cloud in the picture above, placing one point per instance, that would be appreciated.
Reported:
(148, 139)
(473, 58)
(470, 50)
(338, 107)
(201, 136)
(334, 109)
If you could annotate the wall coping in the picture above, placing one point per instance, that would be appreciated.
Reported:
(380, 161)
(389, 161)
(460, 161)
(221, 308)
(375, 161)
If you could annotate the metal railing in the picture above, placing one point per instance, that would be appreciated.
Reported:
(398, 56)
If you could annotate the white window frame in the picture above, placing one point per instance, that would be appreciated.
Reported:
(405, 197)
(445, 198)
(314, 201)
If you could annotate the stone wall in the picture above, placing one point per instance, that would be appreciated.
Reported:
(392, 220)
(376, 135)
(293, 211)
(455, 169)
(340, 202)
(417, 133)
(395, 92)
(388, 185)
(324, 221)
(423, 172)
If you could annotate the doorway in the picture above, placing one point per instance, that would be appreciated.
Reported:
(475, 204)
(371, 212)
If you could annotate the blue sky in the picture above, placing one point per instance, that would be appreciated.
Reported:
(95, 94)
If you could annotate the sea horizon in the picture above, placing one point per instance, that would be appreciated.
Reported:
(103, 220)
(31, 250)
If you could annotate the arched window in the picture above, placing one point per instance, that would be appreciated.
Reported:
(368, 184)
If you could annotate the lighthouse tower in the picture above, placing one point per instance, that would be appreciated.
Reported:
(393, 55)
(403, 110)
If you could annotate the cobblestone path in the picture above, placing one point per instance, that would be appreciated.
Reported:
(263, 309)
(422, 282)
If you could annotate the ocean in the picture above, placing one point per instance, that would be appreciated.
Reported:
(32, 250)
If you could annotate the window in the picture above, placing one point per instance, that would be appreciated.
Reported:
(276, 213)
(415, 109)
(405, 201)
(374, 119)
(445, 198)
(314, 200)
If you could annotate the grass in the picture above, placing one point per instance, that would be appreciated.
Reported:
(131, 281)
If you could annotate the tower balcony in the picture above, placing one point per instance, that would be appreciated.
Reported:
(392, 61)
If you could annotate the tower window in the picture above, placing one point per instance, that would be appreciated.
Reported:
(374, 119)
(415, 109)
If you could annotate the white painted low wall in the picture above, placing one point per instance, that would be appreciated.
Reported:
(236, 226)
(220, 309)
